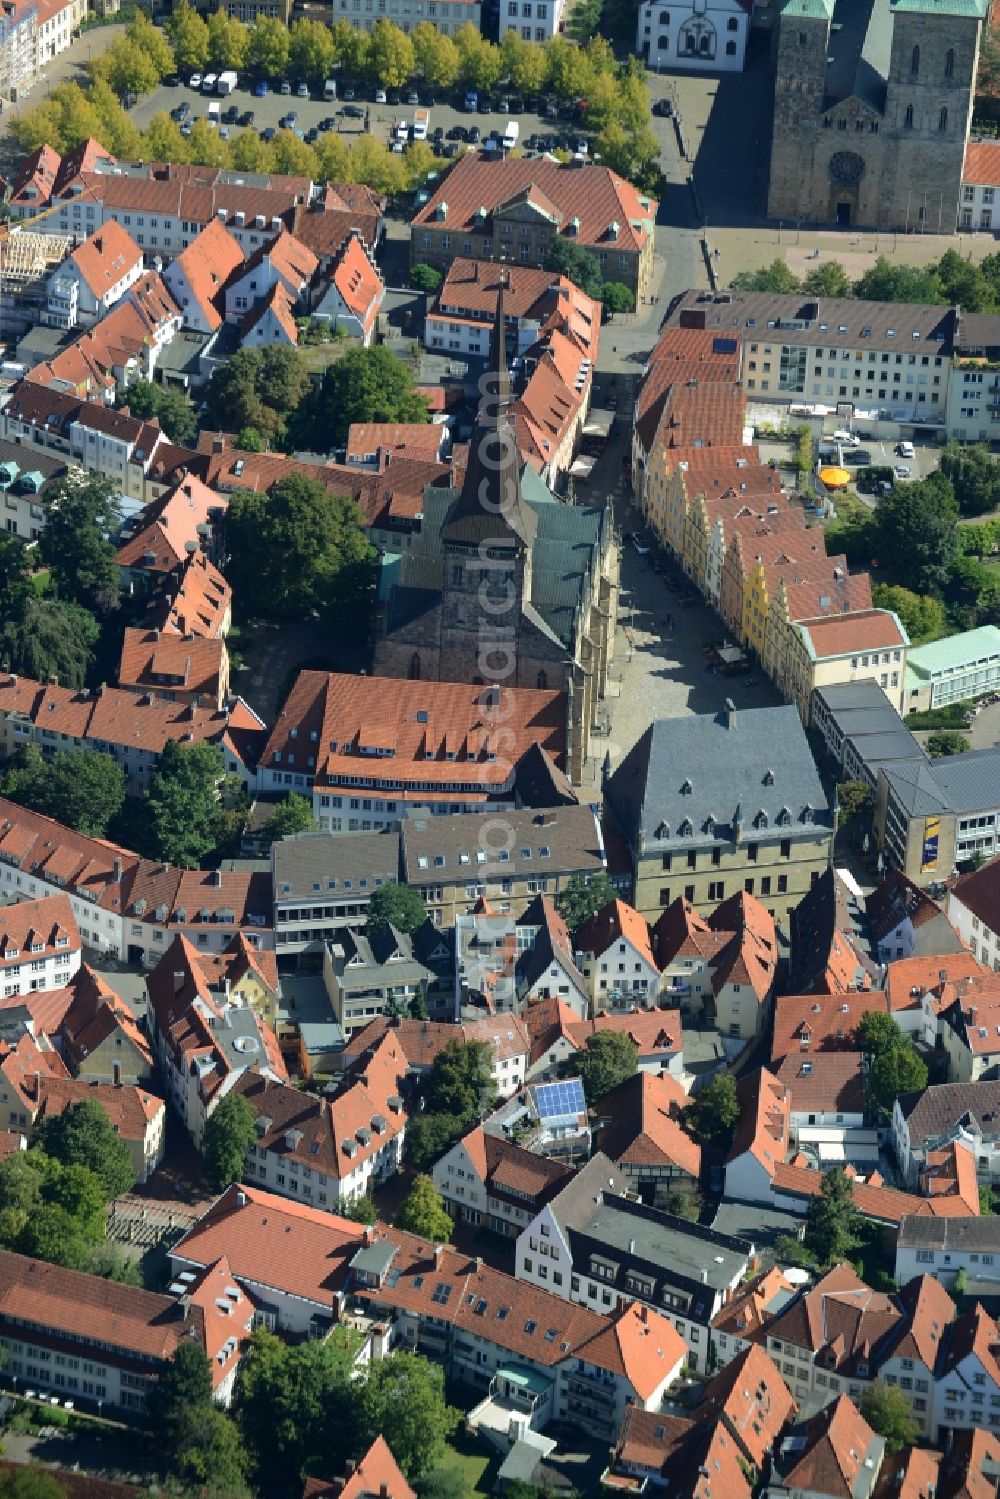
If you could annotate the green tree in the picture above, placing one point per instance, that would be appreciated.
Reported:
(605, 1061)
(428, 1136)
(395, 905)
(987, 1206)
(425, 277)
(570, 73)
(14, 567)
(84, 513)
(83, 789)
(257, 388)
(889, 1413)
(228, 41)
(922, 616)
(974, 475)
(404, 1395)
(292, 815)
(832, 1221)
(188, 35)
(894, 1072)
(45, 638)
(827, 280)
(127, 67)
(184, 813)
(712, 1117)
(774, 277)
(479, 61)
(270, 47)
(153, 41)
(31, 1482)
(584, 896)
(423, 1212)
(460, 1082)
(367, 385)
(118, 132)
(963, 284)
(186, 1381)
(110, 1262)
(230, 1130)
(298, 551)
(83, 1135)
(421, 163)
(207, 1454)
(878, 1033)
(528, 67)
(205, 146)
(884, 282)
(351, 45)
(298, 1410)
(917, 528)
(682, 1200)
(946, 742)
(250, 154)
(391, 59)
(444, 1483)
(855, 800)
(362, 1209)
(435, 56)
(311, 52)
(170, 405)
(566, 258)
(617, 297)
(292, 157)
(377, 167)
(51, 1211)
(163, 141)
(988, 75)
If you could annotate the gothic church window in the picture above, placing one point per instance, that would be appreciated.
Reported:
(915, 62)
(943, 120)
(908, 118)
(949, 63)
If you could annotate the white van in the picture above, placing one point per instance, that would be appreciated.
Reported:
(905, 449)
(209, 82)
(510, 135)
(214, 114)
(330, 89)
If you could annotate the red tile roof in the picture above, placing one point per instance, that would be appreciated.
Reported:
(982, 164)
(171, 524)
(754, 1305)
(206, 265)
(37, 930)
(844, 634)
(907, 980)
(94, 1014)
(763, 1126)
(357, 279)
(430, 733)
(594, 195)
(375, 1474)
(639, 1125)
(157, 659)
(106, 257)
(808, 1023)
(609, 925)
(837, 1442)
(750, 1397)
(129, 1109)
(826, 1082)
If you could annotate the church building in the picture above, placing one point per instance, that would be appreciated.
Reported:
(872, 108)
(505, 583)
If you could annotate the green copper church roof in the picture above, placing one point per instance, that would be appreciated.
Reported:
(976, 8)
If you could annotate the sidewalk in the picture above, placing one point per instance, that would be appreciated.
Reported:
(750, 248)
(69, 66)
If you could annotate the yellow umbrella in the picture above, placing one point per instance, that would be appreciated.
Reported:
(834, 478)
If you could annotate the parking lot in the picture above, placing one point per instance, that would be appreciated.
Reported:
(382, 118)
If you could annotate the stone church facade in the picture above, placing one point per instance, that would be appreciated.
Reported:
(504, 583)
(873, 102)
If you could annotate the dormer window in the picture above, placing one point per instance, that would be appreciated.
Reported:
(686, 788)
(769, 777)
(686, 828)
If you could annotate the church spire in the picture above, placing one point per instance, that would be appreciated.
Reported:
(490, 507)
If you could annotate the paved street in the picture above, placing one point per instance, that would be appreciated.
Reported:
(70, 65)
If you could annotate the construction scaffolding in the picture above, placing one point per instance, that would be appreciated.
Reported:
(27, 260)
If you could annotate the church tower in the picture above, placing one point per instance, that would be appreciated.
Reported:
(799, 83)
(488, 534)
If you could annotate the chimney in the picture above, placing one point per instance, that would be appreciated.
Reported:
(217, 878)
(730, 712)
(119, 866)
(178, 981)
(438, 1251)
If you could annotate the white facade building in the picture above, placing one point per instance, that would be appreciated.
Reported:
(533, 20)
(695, 35)
(446, 15)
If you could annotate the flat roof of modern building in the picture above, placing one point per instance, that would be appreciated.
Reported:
(954, 653)
(952, 785)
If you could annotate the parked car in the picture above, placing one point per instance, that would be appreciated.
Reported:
(195, 81)
(246, 118)
(186, 128)
(848, 437)
(328, 123)
(413, 97)
(474, 135)
(858, 457)
(268, 134)
(504, 106)
(261, 89)
(230, 115)
(485, 107)
(641, 546)
(353, 111)
(456, 133)
(224, 133)
(311, 136)
(393, 96)
(288, 121)
(449, 150)
(302, 92)
(348, 95)
(380, 96)
(901, 471)
(663, 108)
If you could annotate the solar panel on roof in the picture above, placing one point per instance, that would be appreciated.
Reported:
(560, 1100)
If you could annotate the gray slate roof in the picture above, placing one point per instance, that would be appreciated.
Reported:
(443, 850)
(955, 783)
(328, 860)
(936, 1111)
(970, 1234)
(685, 771)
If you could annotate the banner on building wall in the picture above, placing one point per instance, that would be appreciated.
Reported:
(929, 854)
